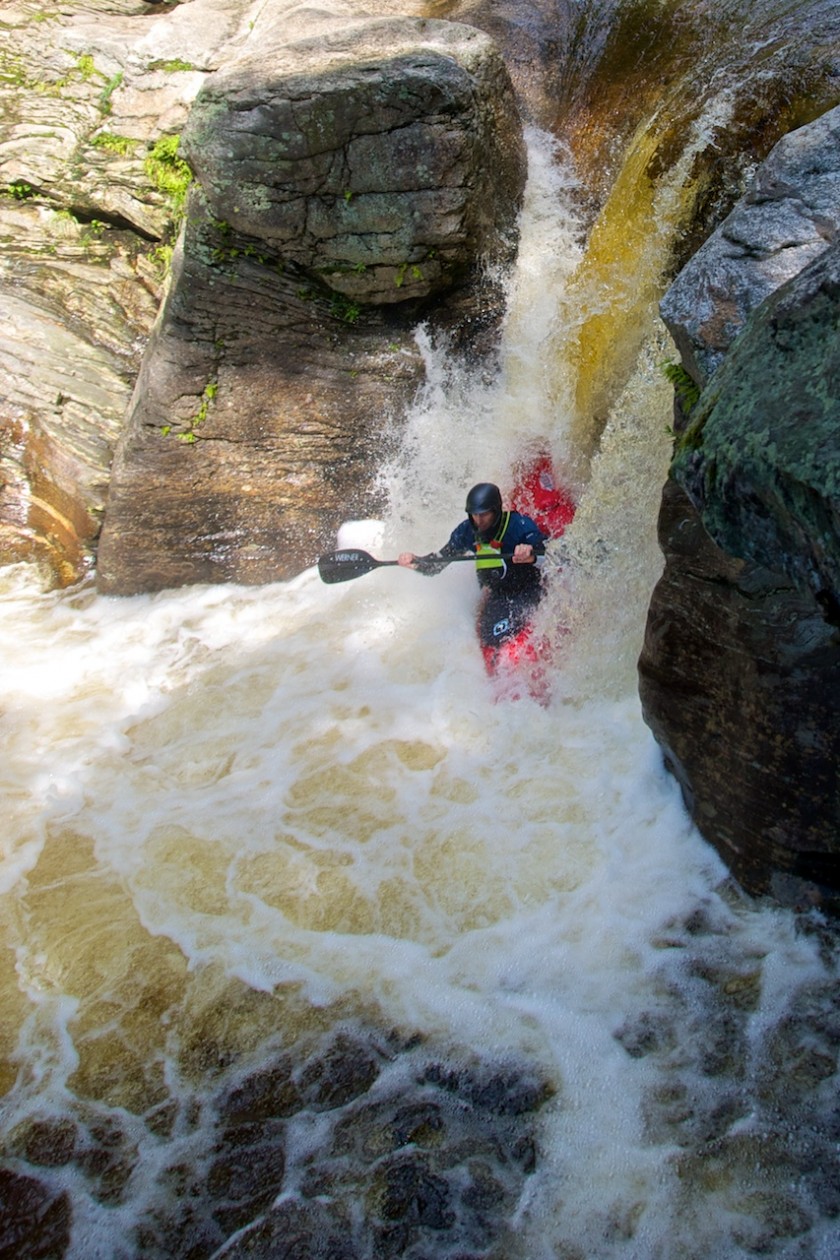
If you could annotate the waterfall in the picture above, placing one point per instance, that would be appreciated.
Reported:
(238, 820)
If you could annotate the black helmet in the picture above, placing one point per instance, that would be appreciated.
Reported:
(484, 497)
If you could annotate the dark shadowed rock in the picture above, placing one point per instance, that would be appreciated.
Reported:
(740, 671)
(296, 1231)
(740, 681)
(246, 1173)
(34, 1220)
(256, 418)
(761, 459)
(354, 1145)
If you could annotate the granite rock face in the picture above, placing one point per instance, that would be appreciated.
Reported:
(761, 457)
(790, 215)
(342, 186)
(93, 99)
(740, 671)
(739, 678)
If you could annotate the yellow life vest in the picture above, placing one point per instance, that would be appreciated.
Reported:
(487, 553)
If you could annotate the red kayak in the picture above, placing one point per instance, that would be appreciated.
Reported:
(537, 494)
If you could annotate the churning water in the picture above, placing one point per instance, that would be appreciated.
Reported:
(237, 820)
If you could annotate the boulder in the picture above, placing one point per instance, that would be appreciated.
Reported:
(385, 158)
(343, 193)
(740, 671)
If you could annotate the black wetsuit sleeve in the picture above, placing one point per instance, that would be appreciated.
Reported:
(460, 542)
(431, 564)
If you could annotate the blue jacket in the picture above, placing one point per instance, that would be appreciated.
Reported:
(514, 581)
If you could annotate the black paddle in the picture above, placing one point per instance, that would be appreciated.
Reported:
(343, 566)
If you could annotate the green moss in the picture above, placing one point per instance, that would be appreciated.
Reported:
(404, 269)
(345, 310)
(161, 257)
(685, 387)
(108, 91)
(19, 190)
(168, 172)
(113, 143)
(85, 66)
(188, 434)
(12, 71)
(171, 67)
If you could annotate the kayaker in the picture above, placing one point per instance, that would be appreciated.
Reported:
(508, 548)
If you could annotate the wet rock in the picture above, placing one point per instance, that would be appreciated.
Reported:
(745, 1178)
(675, 1113)
(650, 1032)
(761, 461)
(49, 1142)
(68, 332)
(506, 1092)
(373, 1129)
(405, 1189)
(187, 1232)
(346, 1069)
(246, 1173)
(739, 674)
(352, 1144)
(264, 1094)
(107, 1156)
(295, 1231)
(34, 1220)
(79, 288)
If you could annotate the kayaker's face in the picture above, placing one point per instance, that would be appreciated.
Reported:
(482, 520)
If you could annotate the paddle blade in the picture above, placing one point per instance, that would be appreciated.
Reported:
(343, 566)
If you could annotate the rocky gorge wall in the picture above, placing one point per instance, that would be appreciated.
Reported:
(740, 671)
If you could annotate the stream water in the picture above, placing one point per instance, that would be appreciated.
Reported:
(238, 820)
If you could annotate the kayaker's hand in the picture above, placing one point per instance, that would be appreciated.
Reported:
(523, 554)
(407, 559)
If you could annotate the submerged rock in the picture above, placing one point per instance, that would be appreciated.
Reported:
(34, 1220)
(356, 1145)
